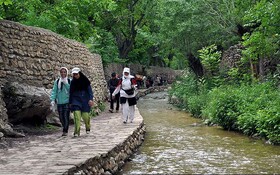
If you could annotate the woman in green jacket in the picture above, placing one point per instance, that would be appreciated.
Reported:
(60, 95)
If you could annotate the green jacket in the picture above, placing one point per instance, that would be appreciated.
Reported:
(61, 96)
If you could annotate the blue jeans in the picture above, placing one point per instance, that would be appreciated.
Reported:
(64, 115)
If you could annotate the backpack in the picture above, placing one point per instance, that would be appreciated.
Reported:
(62, 83)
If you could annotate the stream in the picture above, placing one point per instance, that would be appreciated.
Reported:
(176, 143)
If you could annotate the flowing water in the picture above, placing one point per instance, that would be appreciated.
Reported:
(176, 143)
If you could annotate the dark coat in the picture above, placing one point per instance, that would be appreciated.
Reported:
(80, 94)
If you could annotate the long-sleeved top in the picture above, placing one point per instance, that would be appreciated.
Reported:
(112, 84)
(79, 99)
(125, 84)
(61, 96)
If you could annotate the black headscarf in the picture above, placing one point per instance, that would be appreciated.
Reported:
(79, 84)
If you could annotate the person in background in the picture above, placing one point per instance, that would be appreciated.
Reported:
(81, 100)
(60, 95)
(144, 81)
(112, 84)
(126, 87)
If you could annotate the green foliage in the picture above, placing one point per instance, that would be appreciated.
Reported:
(6, 2)
(196, 104)
(103, 43)
(210, 57)
(222, 109)
(95, 110)
(252, 109)
(187, 85)
(247, 123)
(191, 91)
(268, 123)
(178, 62)
(165, 32)
(264, 40)
(274, 77)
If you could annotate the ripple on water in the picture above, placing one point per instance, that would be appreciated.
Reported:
(176, 143)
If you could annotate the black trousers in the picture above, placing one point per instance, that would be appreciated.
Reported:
(117, 100)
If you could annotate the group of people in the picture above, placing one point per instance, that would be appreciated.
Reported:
(73, 95)
(76, 95)
(122, 91)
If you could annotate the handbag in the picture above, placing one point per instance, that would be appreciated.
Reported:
(129, 91)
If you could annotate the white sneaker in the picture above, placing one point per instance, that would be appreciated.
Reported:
(87, 132)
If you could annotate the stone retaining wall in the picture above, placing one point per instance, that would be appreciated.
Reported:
(166, 73)
(33, 56)
(113, 161)
(151, 90)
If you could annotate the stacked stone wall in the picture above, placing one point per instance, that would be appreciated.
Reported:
(231, 57)
(112, 161)
(32, 56)
(166, 73)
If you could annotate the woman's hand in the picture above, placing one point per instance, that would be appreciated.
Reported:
(90, 103)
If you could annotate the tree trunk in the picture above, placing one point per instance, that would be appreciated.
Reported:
(254, 69)
(261, 68)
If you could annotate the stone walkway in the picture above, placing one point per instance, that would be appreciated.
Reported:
(53, 154)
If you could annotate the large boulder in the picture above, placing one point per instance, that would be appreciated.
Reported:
(5, 128)
(8, 131)
(25, 103)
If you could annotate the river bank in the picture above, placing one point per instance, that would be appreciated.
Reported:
(177, 143)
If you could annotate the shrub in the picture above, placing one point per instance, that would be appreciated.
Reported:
(268, 124)
(196, 104)
(247, 123)
(222, 109)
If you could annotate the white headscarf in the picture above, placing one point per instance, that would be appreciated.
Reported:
(126, 69)
(62, 79)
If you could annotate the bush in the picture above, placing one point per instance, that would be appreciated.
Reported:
(183, 88)
(196, 103)
(95, 110)
(268, 124)
(222, 109)
(251, 109)
(255, 98)
(247, 123)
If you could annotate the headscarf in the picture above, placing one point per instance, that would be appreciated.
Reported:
(126, 69)
(79, 84)
(60, 80)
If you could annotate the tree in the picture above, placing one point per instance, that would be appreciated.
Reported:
(263, 42)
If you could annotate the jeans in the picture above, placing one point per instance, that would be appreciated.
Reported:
(64, 115)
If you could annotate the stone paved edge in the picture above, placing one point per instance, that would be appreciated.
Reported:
(111, 162)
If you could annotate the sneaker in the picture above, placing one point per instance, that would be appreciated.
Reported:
(64, 134)
(87, 132)
(124, 122)
(111, 110)
(131, 121)
(76, 135)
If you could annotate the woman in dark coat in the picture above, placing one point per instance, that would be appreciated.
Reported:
(81, 100)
